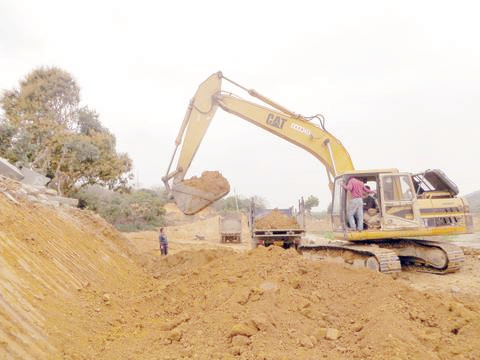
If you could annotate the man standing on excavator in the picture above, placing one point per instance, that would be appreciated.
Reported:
(357, 189)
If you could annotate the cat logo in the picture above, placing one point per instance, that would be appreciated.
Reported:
(275, 121)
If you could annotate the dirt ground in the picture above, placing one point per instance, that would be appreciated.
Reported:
(74, 288)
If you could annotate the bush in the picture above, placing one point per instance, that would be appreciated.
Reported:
(129, 211)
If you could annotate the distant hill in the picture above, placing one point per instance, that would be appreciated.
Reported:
(474, 201)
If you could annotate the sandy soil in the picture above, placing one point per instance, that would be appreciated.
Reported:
(209, 181)
(74, 288)
(276, 220)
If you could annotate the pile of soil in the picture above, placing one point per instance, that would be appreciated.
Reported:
(276, 220)
(209, 181)
(219, 304)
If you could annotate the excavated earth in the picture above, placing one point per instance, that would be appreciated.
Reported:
(74, 288)
(276, 220)
(209, 181)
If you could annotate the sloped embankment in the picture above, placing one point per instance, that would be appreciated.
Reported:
(47, 257)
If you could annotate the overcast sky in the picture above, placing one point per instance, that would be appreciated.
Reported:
(398, 81)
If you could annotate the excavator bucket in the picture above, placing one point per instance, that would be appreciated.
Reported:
(197, 193)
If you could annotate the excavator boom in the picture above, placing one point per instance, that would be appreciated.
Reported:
(272, 117)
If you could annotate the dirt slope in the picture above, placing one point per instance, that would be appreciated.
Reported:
(47, 256)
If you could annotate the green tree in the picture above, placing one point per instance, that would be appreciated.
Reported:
(229, 203)
(129, 211)
(45, 127)
(311, 202)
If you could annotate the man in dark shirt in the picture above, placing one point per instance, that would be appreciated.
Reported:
(368, 201)
(163, 242)
(370, 216)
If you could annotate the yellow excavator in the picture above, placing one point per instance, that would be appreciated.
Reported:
(408, 207)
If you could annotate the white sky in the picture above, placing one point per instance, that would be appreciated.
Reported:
(398, 81)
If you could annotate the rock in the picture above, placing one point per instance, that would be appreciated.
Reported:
(31, 177)
(320, 334)
(52, 192)
(332, 334)
(106, 297)
(174, 335)
(358, 327)
(9, 170)
(455, 289)
(241, 340)
(269, 286)
(65, 201)
(306, 342)
(242, 329)
(261, 323)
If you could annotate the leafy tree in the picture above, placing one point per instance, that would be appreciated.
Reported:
(229, 203)
(45, 127)
(129, 211)
(311, 202)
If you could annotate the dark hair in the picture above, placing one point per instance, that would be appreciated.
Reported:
(161, 229)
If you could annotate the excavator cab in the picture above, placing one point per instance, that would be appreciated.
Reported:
(406, 205)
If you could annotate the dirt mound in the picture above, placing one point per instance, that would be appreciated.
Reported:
(218, 304)
(209, 181)
(276, 220)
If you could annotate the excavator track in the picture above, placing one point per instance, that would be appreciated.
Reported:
(447, 258)
(374, 257)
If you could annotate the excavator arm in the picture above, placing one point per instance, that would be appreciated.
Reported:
(274, 118)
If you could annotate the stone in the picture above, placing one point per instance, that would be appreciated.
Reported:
(241, 340)
(10, 171)
(306, 342)
(65, 201)
(242, 329)
(31, 177)
(269, 286)
(320, 334)
(332, 334)
(52, 192)
(174, 335)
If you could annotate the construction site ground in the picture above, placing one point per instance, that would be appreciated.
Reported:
(74, 288)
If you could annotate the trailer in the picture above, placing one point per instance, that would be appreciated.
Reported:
(230, 226)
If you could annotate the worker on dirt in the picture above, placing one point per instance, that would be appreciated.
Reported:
(356, 188)
(163, 242)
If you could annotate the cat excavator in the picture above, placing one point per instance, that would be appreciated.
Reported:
(410, 208)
